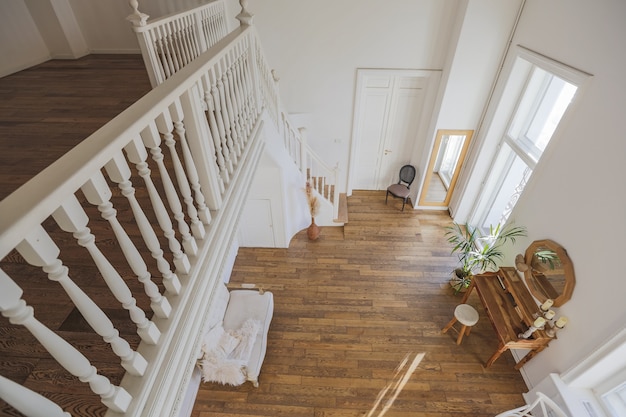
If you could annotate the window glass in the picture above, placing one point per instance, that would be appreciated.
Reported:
(540, 100)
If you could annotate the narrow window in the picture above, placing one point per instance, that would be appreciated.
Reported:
(537, 95)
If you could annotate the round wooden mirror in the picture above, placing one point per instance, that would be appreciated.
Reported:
(550, 273)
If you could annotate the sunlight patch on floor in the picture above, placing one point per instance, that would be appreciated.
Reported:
(388, 395)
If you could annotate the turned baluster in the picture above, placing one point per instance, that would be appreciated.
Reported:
(152, 141)
(252, 88)
(241, 69)
(28, 402)
(177, 114)
(237, 98)
(215, 132)
(238, 94)
(243, 105)
(119, 172)
(71, 217)
(166, 126)
(217, 110)
(39, 250)
(178, 31)
(138, 155)
(169, 56)
(99, 194)
(230, 102)
(223, 106)
(17, 311)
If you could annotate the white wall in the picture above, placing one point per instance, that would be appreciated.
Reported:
(577, 195)
(21, 44)
(317, 46)
(482, 31)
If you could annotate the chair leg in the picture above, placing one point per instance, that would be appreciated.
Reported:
(461, 334)
(449, 325)
(386, 197)
(403, 203)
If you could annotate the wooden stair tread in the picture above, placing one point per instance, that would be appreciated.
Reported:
(342, 215)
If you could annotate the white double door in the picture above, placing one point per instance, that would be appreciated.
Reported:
(389, 110)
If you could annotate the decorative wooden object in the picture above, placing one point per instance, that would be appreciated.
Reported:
(510, 308)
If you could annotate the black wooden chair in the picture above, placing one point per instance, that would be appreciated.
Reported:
(401, 189)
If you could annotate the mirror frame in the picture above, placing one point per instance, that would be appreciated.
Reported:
(568, 271)
(433, 158)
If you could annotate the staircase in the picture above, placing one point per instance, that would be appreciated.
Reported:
(150, 206)
(169, 43)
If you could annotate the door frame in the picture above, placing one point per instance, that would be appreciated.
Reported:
(424, 123)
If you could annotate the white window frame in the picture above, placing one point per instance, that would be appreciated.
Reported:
(524, 60)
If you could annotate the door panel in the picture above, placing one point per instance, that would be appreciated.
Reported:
(372, 130)
(388, 112)
(401, 134)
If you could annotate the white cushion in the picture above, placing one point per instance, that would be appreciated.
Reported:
(249, 304)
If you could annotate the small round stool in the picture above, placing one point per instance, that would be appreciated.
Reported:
(467, 316)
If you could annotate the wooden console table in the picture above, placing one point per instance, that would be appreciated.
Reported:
(510, 308)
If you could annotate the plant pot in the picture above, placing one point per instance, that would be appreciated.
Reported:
(313, 232)
(459, 283)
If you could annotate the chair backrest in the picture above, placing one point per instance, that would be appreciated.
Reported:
(543, 402)
(407, 175)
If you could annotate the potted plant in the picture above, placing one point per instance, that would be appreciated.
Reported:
(476, 252)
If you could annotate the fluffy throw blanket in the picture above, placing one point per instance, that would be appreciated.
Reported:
(225, 353)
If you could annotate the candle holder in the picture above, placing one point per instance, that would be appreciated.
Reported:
(554, 326)
(539, 323)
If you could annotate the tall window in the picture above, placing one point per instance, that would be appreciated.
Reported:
(535, 99)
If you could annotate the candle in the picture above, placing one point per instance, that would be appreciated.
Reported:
(549, 314)
(546, 306)
(561, 322)
(539, 322)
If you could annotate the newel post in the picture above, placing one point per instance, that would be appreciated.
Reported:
(137, 18)
(244, 17)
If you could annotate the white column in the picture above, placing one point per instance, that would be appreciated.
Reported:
(28, 402)
(119, 172)
(15, 309)
(98, 193)
(38, 249)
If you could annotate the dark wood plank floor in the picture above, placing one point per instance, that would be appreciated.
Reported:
(350, 308)
(48, 109)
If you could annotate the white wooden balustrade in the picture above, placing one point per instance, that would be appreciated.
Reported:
(171, 42)
(163, 185)
(164, 58)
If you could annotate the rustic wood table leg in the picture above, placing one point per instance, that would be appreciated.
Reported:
(496, 355)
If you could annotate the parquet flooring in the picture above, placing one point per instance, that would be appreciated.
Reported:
(350, 308)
